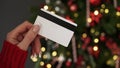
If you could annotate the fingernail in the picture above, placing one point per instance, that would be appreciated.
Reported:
(36, 28)
(35, 55)
(40, 55)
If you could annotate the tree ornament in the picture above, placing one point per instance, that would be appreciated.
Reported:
(68, 18)
(118, 8)
(102, 37)
(95, 2)
(73, 7)
(95, 18)
(94, 51)
(68, 63)
(80, 59)
(70, 2)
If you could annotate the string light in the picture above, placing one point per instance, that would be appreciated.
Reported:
(44, 56)
(53, 12)
(115, 57)
(42, 63)
(110, 62)
(89, 20)
(79, 45)
(48, 65)
(46, 7)
(118, 13)
(95, 48)
(96, 40)
(54, 53)
(34, 58)
(106, 11)
(57, 9)
(103, 5)
(118, 25)
(92, 30)
(43, 49)
(75, 14)
(84, 35)
(101, 10)
(68, 53)
(88, 66)
(97, 33)
(96, 12)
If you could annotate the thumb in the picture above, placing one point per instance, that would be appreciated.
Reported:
(29, 37)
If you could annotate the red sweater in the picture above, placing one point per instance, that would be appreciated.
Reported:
(12, 56)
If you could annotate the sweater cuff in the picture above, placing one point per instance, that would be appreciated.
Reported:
(12, 55)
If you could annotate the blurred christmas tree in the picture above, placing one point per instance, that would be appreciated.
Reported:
(96, 41)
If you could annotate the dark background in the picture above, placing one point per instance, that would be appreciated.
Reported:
(12, 13)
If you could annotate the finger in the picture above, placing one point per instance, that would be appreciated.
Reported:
(32, 49)
(29, 37)
(37, 45)
(21, 28)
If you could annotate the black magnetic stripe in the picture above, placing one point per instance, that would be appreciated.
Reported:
(57, 20)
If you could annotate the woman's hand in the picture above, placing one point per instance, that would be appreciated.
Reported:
(24, 35)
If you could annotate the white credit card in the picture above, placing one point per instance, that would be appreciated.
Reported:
(55, 28)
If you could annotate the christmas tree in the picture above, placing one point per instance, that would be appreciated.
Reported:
(96, 40)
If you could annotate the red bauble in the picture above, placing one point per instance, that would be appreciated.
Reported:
(73, 7)
(70, 2)
(80, 59)
(95, 2)
(68, 63)
(95, 18)
(68, 18)
(102, 38)
(118, 8)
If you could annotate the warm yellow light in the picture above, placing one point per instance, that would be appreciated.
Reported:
(44, 56)
(79, 45)
(96, 40)
(106, 11)
(97, 33)
(68, 53)
(84, 35)
(92, 30)
(42, 63)
(115, 57)
(118, 13)
(43, 49)
(95, 48)
(96, 12)
(34, 58)
(101, 10)
(54, 53)
(109, 62)
(103, 5)
(88, 67)
(46, 7)
(75, 14)
(118, 25)
(89, 20)
(48, 65)
(53, 12)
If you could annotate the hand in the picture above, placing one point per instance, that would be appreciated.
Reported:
(25, 34)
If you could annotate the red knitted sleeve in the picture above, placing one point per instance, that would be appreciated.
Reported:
(12, 56)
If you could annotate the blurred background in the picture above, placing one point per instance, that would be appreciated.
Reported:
(96, 41)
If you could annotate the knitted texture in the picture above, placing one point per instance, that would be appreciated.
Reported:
(12, 56)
